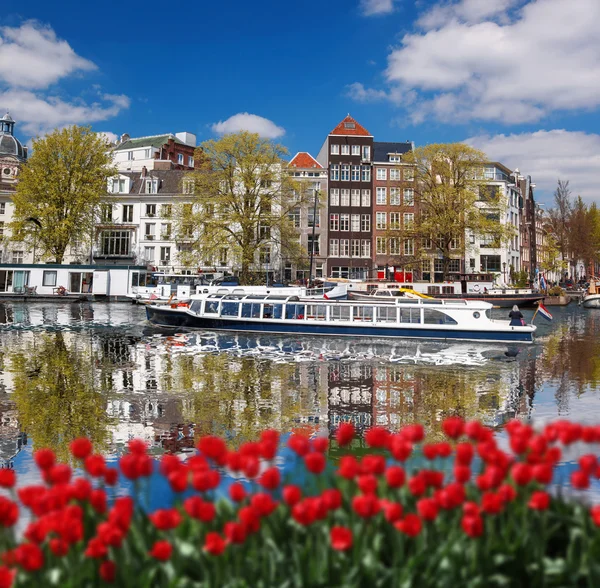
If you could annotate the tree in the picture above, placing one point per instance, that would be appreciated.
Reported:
(560, 217)
(453, 197)
(242, 196)
(60, 189)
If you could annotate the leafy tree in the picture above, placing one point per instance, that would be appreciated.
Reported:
(453, 198)
(60, 189)
(242, 196)
(560, 217)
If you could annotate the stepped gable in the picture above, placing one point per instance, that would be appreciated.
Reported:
(349, 126)
(304, 160)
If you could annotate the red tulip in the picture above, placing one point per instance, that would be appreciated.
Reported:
(453, 427)
(161, 550)
(315, 462)
(214, 543)
(472, 525)
(580, 480)
(410, 525)
(539, 501)
(344, 434)
(81, 448)
(341, 538)
(377, 437)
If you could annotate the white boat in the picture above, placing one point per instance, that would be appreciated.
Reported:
(387, 294)
(407, 318)
(591, 298)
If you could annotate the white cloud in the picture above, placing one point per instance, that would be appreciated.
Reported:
(32, 62)
(358, 92)
(109, 136)
(243, 121)
(31, 56)
(376, 7)
(547, 156)
(476, 64)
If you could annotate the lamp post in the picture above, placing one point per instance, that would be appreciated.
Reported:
(312, 244)
(504, 272)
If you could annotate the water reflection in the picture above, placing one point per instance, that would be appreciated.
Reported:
(99, 370)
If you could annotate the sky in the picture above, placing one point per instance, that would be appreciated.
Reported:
(519, 79)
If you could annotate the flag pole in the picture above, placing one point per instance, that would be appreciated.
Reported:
(536, 311)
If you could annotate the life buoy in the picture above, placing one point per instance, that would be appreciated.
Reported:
(476, 288)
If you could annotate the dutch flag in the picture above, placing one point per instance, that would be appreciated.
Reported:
(544, 312)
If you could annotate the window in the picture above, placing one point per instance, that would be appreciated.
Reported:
(180, 158)
(349, 125)
(335, 149)
(344, 247)
(366, 153)
(356, 173)
(409, 246)
(345, 149)
(334, 247)
(2, 207)
(380, 246)
(394, 158)
(127, 213)
(166, 210)
(355, 149)
(409, 175)
(345, 199)
(150, 210)
(49, 278)
(2, 229)
(355, 223)
(380, 221)
(355, 247)
(381, 196)
(188, 186)
(316, 250)
(381, 173)
(344, 222)
(394, 174)
(365, 223)
(427, 243)
(190, 161)
(165, 255)
(106, 213)
(409, 197)
(454, 244)
(146, 153)
(334, 197)
(355, 201)
(150, 231)
(17, 256)
(311, 218)
(365, 248)
(366, 173)
(395, 196)
(334, 222)
(115, 242)
(409, 219)
(345, 173)
(294, 216)
(149, 254)
(454, 265)
(130, 156)
(394, 247)
(165, 231)
(334, 173)
(394, 220)
(118, 186)
(366, 197)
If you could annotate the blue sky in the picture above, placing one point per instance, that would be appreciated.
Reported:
(506, 75)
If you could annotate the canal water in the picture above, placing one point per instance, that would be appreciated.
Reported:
(100, 370)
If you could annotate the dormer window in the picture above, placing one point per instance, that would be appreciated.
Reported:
(394, 158)
(151, 186)
(349, 125)
(119, 186)
(188, 186)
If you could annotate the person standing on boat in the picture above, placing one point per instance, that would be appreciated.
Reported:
(516, 317)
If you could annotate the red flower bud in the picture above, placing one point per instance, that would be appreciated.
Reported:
(161, 550)
(81, 448)
(344, 434)
(341, 538)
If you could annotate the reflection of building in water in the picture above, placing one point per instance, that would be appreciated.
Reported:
(12, 439)
(350, 394)
(394, 389)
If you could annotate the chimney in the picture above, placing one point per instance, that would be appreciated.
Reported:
(144, 172)
(124, 137)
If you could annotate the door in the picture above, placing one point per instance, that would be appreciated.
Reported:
(86, 282)
(20, 281)
(75, 282)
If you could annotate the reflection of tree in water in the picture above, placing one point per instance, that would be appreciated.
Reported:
(55, 394)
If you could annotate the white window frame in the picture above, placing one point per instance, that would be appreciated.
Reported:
(344, 222)
(381, 173)
(334, 197)
(345, 197)
(334, 149)
(380, 221)
(365, 174)
(334, 222)
(380, 246)
(334, 173)
(345, 172)
(355, 223)
(365, 223)
(409, 197)
(381, 196)
(345, 149)
(356, 150)
(334, 247)
(354, 198)
(366, 197)
(344, 247)
(395, 198)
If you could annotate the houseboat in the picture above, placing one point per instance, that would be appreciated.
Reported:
(407, 318)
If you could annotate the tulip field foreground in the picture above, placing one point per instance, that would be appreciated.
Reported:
(474, 515)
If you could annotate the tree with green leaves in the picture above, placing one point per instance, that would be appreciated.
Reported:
(60, 190)
(453, 198)
(560, 217)
(242, 196)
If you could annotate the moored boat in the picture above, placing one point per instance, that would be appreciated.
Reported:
(407, 318)
(591, 299)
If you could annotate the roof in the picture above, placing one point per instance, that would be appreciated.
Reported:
(304, 159)
(7, 118)
(151, 141)
(10, 145)
(382, 150)
(350, 127)
(170, 180)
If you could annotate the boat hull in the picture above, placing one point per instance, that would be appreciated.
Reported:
(500, 300)
(165, 317)
(592, 301)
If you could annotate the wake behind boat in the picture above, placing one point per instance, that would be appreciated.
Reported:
(407, 318)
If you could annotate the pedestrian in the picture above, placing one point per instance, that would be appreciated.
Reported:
(516, 317)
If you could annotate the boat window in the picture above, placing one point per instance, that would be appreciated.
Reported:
(410, 315)
(315, 311)
(384, 293)
(230, 309)
(196, 306)
(339, 313)
(212, 306)
(397, 293)
(277, 311)
(435, 317)
(438, 302)
(386, 314)
(294, 311)
(432, 290)
(363, 313)
(251, 310)
(272, 311)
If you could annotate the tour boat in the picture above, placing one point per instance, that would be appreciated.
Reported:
(387, 294)
(407, 318)
(591, 298)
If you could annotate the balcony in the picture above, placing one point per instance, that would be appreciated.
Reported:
(149, 237)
